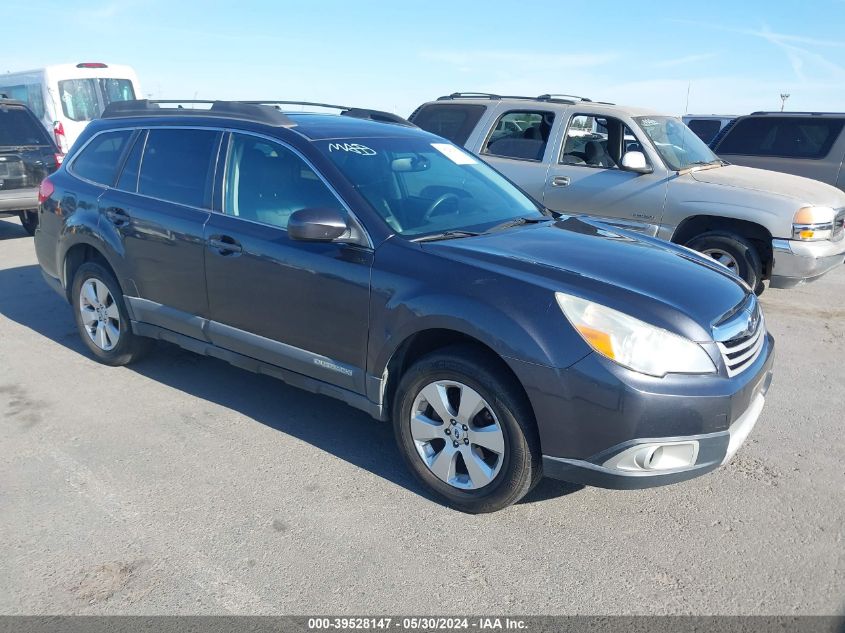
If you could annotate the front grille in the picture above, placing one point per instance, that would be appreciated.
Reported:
(746, 330)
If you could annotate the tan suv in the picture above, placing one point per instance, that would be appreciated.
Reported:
(809, 144)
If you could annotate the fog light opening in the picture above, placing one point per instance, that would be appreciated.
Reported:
(656, 457)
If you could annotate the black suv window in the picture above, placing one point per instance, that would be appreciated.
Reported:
(787, 137)
(99, 160)
(266, 182)
(454, 121)
(705, 129)
(19, 127)
(520, 134)
(177, 164)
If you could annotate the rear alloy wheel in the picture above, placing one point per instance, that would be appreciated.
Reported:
(29, 221)
(735, 253)
(466, 430)
(101, 317)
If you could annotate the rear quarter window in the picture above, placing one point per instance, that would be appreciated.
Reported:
(98, 161)
(453, 121)
(785, 137)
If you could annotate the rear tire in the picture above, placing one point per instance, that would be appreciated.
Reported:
(489, 437)
(29, 221)
(102, 319)
(737, 253)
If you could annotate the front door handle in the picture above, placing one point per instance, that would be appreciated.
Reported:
(225, 245)
(561, 181)
(117, 216)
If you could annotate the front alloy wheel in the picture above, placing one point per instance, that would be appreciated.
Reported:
(457, 435)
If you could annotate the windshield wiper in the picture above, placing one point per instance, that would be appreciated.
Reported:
(516, 222)
(445, 235)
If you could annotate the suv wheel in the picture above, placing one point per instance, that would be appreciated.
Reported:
(29, 220)
(466, 432)
(101, 317)
(735, 253)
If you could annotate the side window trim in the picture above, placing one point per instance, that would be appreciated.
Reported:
(368, 243)
(495, 121)
(127, 152)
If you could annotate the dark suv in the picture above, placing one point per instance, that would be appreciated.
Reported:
(360, 257)
(27, 156)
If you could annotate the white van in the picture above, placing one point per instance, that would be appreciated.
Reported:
(65, 97)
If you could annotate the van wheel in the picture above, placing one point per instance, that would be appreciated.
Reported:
(466, 431)
(29, 221)
(735, 253)
(102, 319)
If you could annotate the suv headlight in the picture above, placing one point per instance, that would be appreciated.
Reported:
(813, 223)
(633, 343)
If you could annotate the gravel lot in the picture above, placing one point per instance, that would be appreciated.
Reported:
(184, 485)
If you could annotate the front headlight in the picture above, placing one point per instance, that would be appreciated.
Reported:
(633, 343)
(813, 223)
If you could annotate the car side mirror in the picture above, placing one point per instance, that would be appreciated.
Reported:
(317, 225)
(636, 162)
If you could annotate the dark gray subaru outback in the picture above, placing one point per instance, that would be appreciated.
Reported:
(357, 256)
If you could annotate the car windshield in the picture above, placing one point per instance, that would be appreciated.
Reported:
(423, 186)
(679, 147)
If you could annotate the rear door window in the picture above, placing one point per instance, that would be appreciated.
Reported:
(520, 134)
(786, 137)
(176, 165)
(19, 127)
(454, 121)
(79, 99)
(99, 160)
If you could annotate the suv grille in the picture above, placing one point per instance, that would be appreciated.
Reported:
(747, 331)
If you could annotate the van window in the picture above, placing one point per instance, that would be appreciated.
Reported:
(520, 134)
(176, 165)
(266, 182)
(79, 99)
(99, 160)
(452, 121)
(786, 136)
(30, 94)
(705, 129)
(116, 90)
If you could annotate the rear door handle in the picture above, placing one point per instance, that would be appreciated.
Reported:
(225, 245)
(118, 216)
(560, 181)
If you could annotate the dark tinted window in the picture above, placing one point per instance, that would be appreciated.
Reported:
(128, 180)
(788, 137)
(266, 182)
(520, 134)
(19, 127)
(176, 165)
(452, 121)
(705, 129)
(100, 158)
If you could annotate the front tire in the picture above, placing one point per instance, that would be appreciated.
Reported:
(102, 319)
(466, 430)
(735, 253)
(29, 221)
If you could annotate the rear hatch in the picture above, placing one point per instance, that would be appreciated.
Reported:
(27, 153)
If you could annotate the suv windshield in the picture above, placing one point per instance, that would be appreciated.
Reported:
(678, 146)
(19, 127)
(422, 187)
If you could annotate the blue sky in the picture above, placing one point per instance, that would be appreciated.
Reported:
(734, 56)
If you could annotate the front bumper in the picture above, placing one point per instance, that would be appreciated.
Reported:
(802, 262)
(604, 419)
(15, 200)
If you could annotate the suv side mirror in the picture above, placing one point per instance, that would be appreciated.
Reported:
(317, 225)
(636, 162)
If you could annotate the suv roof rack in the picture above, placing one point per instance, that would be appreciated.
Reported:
(268, 112)
(550, 98)
(793, 112)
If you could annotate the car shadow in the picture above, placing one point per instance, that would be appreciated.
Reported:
(323, 422)
(11, 230)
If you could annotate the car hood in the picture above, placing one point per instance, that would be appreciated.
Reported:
(803, 190)
(667, 285)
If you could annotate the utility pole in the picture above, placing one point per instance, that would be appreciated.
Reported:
(783, 97)
(686, 107)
